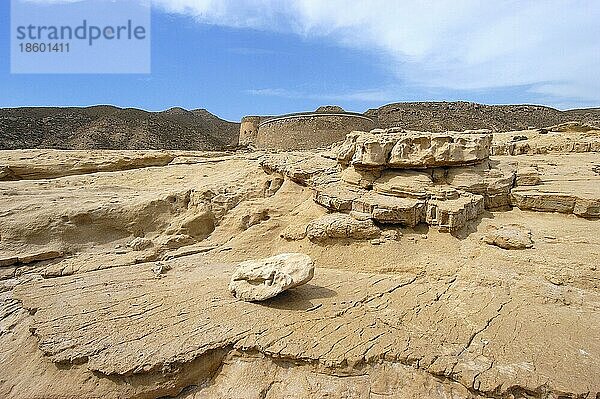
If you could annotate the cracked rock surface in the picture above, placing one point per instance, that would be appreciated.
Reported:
(486, 336)
(114, 283)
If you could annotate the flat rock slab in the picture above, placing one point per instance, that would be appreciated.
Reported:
(49, 164)
(566, 183)
(489, 335)
(553, 197)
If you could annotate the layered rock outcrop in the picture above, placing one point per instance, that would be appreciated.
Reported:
(399, 148)
(406, 177)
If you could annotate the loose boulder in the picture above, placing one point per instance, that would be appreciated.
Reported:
(257, 280)
(512, 236)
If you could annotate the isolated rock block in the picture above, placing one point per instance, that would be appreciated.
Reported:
(511, 236)
(341, 225)
(257, 280)
(450, 210)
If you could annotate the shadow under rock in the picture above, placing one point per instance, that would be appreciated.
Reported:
(472, 226)
(300, 298)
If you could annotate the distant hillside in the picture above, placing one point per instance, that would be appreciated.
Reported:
(440, 116)
(108, 127)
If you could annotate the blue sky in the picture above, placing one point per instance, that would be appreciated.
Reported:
(241, 57)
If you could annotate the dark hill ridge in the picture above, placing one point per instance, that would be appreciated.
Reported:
(108, 127)
(460, 115)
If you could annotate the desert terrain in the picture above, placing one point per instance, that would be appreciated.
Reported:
(467, 274)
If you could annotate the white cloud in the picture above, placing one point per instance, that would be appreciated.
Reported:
(550, 46)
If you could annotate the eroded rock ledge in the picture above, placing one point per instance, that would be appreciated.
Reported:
(449, 328)
(444, 180)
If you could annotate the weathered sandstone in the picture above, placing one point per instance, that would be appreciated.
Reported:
(257, 280)
(404, 183)
(408, 149)
(511, 236)
(411, 312)
(341, 225)
(386, 209)
(450, 210)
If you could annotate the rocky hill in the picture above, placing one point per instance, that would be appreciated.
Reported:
(460, 115)
(108, 127)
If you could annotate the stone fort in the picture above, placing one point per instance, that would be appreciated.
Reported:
(304, 130)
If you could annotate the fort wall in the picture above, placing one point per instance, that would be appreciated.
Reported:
(306, 130)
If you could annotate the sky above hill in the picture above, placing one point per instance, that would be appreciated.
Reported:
(241, 57)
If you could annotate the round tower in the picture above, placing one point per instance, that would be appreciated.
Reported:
(249, 130)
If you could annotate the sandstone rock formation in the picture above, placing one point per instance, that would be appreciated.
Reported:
(397, 148)
(528, 176)
(407, 178)
(257, 280)
(88, 308)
